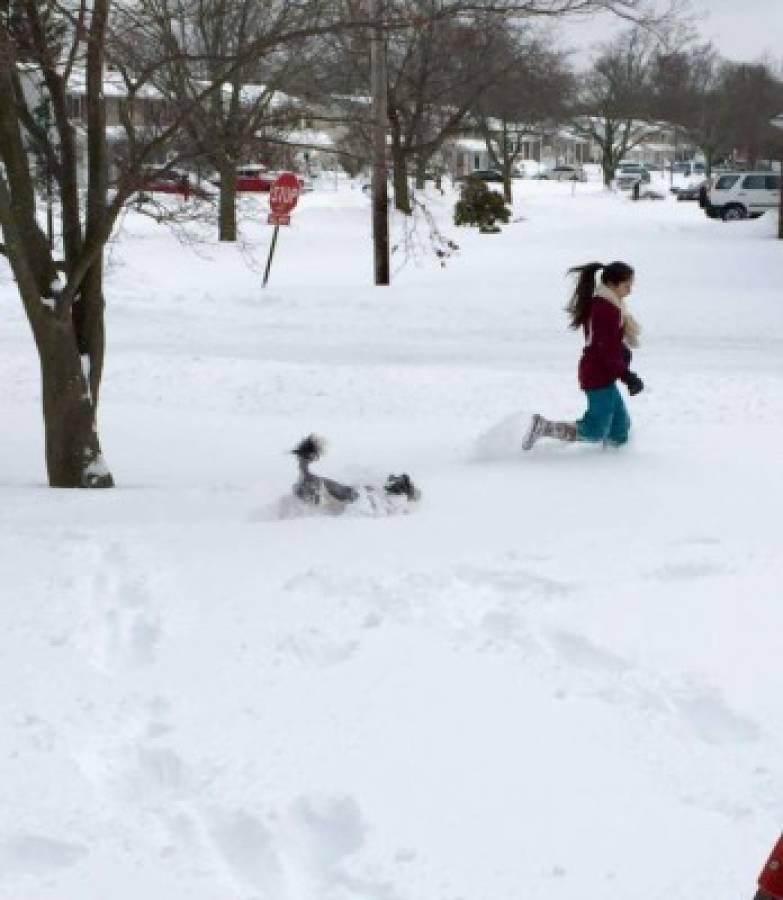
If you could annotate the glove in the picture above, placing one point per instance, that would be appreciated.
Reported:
(634, 384)
(627, 355)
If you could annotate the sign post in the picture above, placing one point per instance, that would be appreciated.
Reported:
(283, 197)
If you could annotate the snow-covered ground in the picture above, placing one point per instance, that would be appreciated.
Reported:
(560, 678)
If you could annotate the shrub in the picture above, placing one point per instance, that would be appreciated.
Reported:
(481, 206)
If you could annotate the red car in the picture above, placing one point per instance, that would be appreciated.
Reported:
(257, 180)
(170, 181)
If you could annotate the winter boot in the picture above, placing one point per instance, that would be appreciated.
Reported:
(541, 427)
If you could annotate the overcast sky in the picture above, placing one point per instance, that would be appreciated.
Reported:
(741, 29)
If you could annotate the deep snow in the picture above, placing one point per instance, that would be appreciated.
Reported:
(559, 678)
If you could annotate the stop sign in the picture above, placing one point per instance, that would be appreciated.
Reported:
(284, 194)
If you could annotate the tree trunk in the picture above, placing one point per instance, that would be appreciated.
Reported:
(89, 329)
(780, 201)
(507, 163)
(402, 197)
(507, 195)
(707, 163)
(421, 171)
(227, 221)
(73, 456)
(73, 453)
(608, 166)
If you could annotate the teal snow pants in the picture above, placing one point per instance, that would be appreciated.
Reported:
(606, 418)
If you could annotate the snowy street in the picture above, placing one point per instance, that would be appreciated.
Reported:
(559, 678)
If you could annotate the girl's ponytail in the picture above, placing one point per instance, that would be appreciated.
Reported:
(579, 305)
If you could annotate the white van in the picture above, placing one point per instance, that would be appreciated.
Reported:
(742, 195)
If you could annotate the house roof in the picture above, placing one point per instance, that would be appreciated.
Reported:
(113, 86)
(472, 145)
(310, 138)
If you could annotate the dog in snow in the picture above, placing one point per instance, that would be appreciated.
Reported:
(315, 493)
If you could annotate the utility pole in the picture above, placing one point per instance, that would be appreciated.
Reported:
(380, 195)
(777, 122)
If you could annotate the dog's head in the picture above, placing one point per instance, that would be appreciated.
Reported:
(309, 449)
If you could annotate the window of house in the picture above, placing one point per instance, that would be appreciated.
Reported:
(476, 161)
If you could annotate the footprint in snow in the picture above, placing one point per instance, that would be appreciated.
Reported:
(126, 631)
(302, 855)
(34, 854)
(686, 570)
(582, 652)
(714, 721)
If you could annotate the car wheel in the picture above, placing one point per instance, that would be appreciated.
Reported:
(734, 213)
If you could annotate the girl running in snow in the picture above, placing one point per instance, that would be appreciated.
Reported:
(771, 878)
(610, 333)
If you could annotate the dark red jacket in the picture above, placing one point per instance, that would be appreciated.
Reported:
(603, 359)
(771, 878)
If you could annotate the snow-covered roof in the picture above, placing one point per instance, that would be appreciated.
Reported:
(514, 127)
(656, 147)
(113, 86)
(310, 137)
(568, 135)
(472, 145)
(253, 93)
(361, 99)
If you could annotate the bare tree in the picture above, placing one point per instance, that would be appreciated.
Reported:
(225, 130)
(438, 71)
(534, 90)
(61, 288)
(753, 95)
(686, 92)
(723, 107)
(614, 107)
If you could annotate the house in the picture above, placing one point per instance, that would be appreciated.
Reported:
(549, 145)
(145, 110)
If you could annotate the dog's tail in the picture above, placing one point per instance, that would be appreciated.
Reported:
(308, 450)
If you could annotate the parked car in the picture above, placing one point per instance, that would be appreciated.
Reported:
(566, 173)
(742, 195)
(628, 174)
(257, 179)
(691, 192)
(164, 180)
(484, 175)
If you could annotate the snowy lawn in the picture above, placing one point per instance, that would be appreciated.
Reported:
(559, 678)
